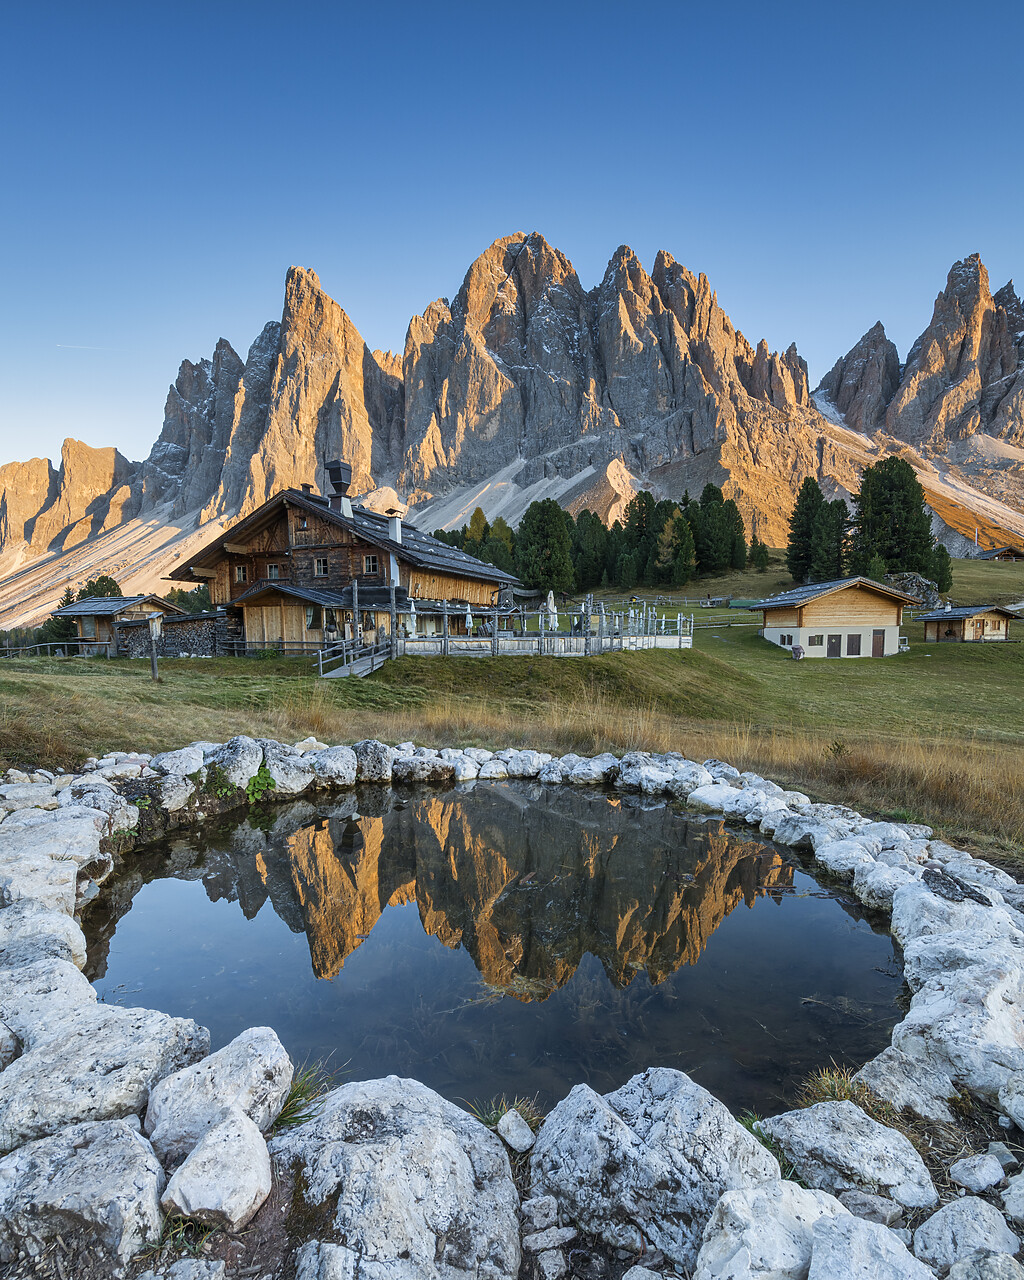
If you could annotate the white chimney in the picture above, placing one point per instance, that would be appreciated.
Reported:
(395, 529)
(346, 506)
(948, 606)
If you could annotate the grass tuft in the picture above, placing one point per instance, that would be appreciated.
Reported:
(490, 1111)
(179, 1235)
(305, 1097)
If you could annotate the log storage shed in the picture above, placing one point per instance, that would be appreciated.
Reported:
(848, 618)
(967, 623)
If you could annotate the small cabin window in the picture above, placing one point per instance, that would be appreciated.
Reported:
(314, 619)
(303, 522)
(320, 567)
(785, 639)
(241, 573)
(370, 564)
(815, 641)
(273, 571)
(88, 625)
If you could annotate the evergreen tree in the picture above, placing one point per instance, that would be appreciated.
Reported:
(502, 530)
(60, 629)
(828, 541)
(590, 538)
(685, 563)
(711, 496)
(625, 571)
(543, 549)
(890, 520)
(496, 551)
(478, 527)
(758, 558)
(104, 585)
(736, 535)
(809, 502)
(197, 601)
(942, 569)
(875, 569)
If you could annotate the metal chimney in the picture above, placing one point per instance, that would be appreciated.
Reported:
(340, 475)
(395, 528)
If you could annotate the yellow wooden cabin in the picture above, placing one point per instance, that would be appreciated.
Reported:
(848, 618)
(966, 623)
(97, 617)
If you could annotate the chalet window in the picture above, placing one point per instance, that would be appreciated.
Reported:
(241, 573)
(370, 564)
(320, 567)
(314, 619)
(88, 624)
(815, 641)
(785, 639)
(853, 646)
(303, 523)
(273, 571)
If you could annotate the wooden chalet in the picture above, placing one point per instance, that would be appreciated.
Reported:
(967, 623)
(305, 570)
(847, 618)
(97, 619)
(1003, 553)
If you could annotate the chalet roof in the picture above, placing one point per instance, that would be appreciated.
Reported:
(369, 597)
(999, 551)
(965, 611)
(107, 606)
(416, 548)
(815, 590)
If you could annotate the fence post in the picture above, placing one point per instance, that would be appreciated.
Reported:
(444, 628)
(587, 605)
(540, 632)
(494, 632)
(394, 621)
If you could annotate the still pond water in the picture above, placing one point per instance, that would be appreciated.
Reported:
(506, 938)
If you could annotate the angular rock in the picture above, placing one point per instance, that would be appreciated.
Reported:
(184, 761)
(987, 1266)
(291, 771)
(807, 832)
(515, 1131)
(916, 1083)
(373, 760)
(961, 1229)
(52, 934)
(100, 1065)
(875, 884)
(976, 1173)
(252, 1073)
(1013, 1200)
(843, 857)
(422, 769)
(189, 1269)
(525, 764)
(837, 1147)
(174, 792)
(102, 1178)
(418, 1187)
(552, 1238)
(873, 1208)
(492, 770)
(335, 767)
(41, 999)
(540, 1212)
(647, 1163)
(712, 798)
(226, 1178)
(466, 770)
(765, 1232)
(855, 1249)
(239, 759)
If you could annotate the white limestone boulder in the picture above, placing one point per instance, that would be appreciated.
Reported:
(514, 1131)
(843, 857)
(422, 769)
(493, 770)
(715, 797)
(39, 999)
(100, 1065)
(28, 795)
(646, 1163)
(917, 912)
(291, 770)
(50, 934)
(851, 1248)
(184, 761)
(763, 1233)
(479, 754)
(239, 759)
(226, 1178)
(101, 1177)
(588, 773)
(310, 744)
(467, 770)
(526, 764)
(334, 766)
(805, 832)
(252, 1073)
(416, 1186)
(189, 1269)
(960, 1230)
(875, 884)
(987, 1266)
(94, 793)
(174, 791)
(917, 1083)
(835, 1146)
(687, 776)
(976, 1173)
(373, 760)
(1013, 1200)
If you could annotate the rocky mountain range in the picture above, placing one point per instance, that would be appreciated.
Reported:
(526, 385)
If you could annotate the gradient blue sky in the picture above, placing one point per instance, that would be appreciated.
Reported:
(824, 164)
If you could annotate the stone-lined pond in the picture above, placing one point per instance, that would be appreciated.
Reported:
(505, 938)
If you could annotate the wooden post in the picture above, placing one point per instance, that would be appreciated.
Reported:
(494, 632)
(394, 620)
(540, 631)
(444, 628)
(357, 630)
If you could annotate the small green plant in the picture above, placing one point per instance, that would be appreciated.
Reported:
(217, 782)
(179, 1235)
(143, 802)
(751, 1121)
(836, 749)
(490, 1111)
(309, 1084)
(259, 786)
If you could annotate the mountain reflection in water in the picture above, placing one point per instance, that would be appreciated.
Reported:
(509, 938)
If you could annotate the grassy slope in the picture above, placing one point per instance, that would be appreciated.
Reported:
(937, 733)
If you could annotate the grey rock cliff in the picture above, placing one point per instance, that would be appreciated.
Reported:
(863, 382)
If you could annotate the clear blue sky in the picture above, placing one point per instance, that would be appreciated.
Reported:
(824, 164)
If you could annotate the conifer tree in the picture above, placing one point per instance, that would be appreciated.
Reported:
(758, 558)
(60, 629)
(478, 527)
(942, 569)
(890, 520)
(809, 502)
(828, 541)
(543, 548)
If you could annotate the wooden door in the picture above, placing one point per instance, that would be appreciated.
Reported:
(834, 647)
(878, 644)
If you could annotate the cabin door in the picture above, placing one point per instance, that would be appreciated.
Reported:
(878, 644)
(834, 648)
